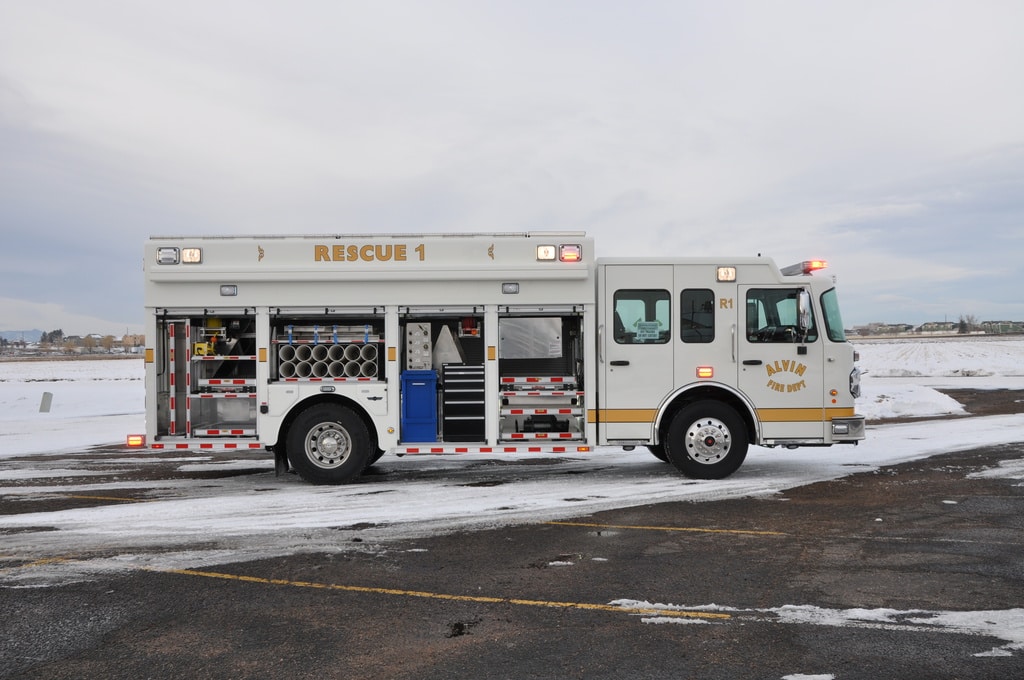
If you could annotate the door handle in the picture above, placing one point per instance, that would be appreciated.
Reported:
(620, 362)
(751, 362)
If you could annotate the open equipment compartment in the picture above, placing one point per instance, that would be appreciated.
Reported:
(541, 368)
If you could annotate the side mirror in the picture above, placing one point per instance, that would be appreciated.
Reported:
(803, 314)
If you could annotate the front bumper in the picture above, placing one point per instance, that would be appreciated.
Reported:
(847, 430)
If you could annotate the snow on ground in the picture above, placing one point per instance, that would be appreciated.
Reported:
(901, 376)
(93, 402)
(1007, 624)
(98, 402)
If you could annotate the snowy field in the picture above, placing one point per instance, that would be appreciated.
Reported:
(98, 402)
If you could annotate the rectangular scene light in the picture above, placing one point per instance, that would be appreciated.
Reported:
(167, 256)
(725, 274)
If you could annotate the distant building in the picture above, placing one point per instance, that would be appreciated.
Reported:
(1002, 327)
(938, 327)
(879, 328)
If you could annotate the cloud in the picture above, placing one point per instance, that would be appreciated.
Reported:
(51, 316)
(883, 137)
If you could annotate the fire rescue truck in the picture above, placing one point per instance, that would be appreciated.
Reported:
(330, 351)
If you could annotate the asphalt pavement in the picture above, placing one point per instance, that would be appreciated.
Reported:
(910, 571)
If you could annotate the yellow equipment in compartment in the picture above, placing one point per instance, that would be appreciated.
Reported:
(209, 333)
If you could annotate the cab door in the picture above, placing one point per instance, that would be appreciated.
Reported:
(636, 349)
(781, 363)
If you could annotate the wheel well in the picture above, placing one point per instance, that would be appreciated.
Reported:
(333, 399)
(712, 393)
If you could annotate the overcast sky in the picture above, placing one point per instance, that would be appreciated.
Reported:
(886, 137)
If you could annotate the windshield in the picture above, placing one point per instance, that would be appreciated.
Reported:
(833, 319)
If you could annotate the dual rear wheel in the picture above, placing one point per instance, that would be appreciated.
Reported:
(329, 444)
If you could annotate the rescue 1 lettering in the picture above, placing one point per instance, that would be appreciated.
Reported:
(367, 253)
(785, 366)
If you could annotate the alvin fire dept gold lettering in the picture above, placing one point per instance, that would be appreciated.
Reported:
(785, 366)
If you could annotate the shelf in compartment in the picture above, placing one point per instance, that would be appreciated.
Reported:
(541, 408)
(223, 395)
(535, 381)
(543, 394)
(541, 411)
(329, 341)
(317, 379)
(223, 357)
(560, 436)
(226, 382)
(226, 431)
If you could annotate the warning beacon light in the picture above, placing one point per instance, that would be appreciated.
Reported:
(805, 267)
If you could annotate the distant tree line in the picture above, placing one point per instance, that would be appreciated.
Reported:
(52, 337)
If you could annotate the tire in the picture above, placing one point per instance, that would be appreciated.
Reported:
(377, 455)
(707, 440)
(328, 444)
(658, 451)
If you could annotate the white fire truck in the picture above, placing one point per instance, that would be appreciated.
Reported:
(331, 351)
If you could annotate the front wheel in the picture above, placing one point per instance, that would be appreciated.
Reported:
(707, 440)
(328, 444)
(658, 451)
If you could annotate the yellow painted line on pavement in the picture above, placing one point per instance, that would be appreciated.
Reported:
(444, 596)
(695, 530)
(35, 563)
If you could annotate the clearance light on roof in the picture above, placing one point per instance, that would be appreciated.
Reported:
(705, 372)
(167, 256)
(725, 274)
(570, 253)
(192, 255)
(805, 267)
(546, 252)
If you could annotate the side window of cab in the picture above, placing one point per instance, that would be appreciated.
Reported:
(642, 317)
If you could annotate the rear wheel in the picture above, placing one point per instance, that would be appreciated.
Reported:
(328, 444)
(377, 455)
(707, 440)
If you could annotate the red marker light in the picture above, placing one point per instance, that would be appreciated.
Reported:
(570, 253)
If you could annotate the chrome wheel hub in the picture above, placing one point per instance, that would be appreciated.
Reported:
(328, 445)
(708, 441)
